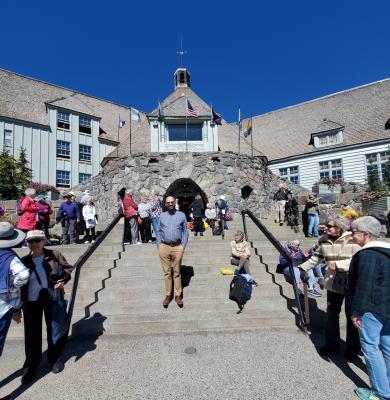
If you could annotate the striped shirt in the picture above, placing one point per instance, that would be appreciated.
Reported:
(18, 276)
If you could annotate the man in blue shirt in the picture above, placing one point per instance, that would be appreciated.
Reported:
(172, 238)
(68, 215)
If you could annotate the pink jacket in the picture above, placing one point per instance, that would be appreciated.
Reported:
(28, 219)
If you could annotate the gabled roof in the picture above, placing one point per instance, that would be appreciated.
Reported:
(175, 104)
(27, 99)
(361, 111)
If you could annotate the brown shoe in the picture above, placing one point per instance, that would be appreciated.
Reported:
(166, 301)
(179, 301)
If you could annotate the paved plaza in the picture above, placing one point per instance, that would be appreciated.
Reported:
(260, 364)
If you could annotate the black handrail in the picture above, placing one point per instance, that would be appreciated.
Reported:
(283, 252)
(81, 261)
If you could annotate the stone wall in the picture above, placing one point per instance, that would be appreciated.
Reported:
(215, 173)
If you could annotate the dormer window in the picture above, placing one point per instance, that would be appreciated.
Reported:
(328, 139)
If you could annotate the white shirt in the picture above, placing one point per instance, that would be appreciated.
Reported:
(211, 213)
(89, 212)
(33, 285)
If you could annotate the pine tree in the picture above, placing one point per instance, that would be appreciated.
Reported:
(23, 172)
(373, 180)
(8, 175)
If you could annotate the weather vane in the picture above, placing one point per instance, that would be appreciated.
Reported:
(181, 53)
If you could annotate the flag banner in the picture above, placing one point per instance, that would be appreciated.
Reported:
(248, 130)
(135, 115)
(190, 110)
(217, 118)
(122, 122)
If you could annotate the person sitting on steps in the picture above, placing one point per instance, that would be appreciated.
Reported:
(240, 253)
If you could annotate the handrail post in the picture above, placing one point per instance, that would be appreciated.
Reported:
(244, 225)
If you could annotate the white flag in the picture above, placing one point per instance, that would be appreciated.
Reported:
(135, 116)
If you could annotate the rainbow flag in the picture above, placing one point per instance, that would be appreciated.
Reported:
(248, 130)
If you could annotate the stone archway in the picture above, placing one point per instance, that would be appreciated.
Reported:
(185, 190)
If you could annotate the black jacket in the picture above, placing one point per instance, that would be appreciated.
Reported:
(197, 208)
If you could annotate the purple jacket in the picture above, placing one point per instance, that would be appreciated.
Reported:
(71, 209)
(299, 257)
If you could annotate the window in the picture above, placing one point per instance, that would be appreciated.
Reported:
(63, 149)
(290, 173)
(331, 169)
(85, 153)
(177, 133)
(63, 178)
(84, 177)
(8, 139)
(85, 125)
(63, 120)
(377, 161)
(328, 139)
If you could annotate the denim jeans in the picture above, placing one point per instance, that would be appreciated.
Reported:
(297, 274)
(375, 340)
(5, 322)
(314, 220)
(155, 222)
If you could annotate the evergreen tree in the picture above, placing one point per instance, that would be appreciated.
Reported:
(373, 180)
(8, 177)
(23, 172)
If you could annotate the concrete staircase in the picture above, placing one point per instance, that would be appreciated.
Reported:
(129, 298)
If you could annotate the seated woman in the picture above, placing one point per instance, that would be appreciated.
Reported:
(299, 257)
(49, 271)
(240, 253)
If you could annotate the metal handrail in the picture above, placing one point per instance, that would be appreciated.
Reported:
(81, 261)
(303, 321)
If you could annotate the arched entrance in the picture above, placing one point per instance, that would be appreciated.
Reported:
(185, 191)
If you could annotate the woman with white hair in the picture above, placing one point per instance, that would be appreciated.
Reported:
(336, 249)
(28, 211)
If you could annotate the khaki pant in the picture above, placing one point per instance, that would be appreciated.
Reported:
(170, 257)
(281, 205)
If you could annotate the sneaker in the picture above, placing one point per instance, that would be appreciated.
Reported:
(366, 394)
(57, 367)
(149, 241)
(314, 292)
(93, 241)
(139, 243)
(87, 241)
(126, 243)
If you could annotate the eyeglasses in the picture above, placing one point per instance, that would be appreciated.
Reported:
(353, 232)
(331, 226)
(34, 240)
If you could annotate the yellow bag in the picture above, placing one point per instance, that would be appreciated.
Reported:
(227, 271)
(205, 225)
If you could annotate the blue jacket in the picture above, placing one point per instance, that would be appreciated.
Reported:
(6, 256)
(72, 210)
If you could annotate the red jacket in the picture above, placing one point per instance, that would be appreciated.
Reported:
(129, 206)
(28, 219)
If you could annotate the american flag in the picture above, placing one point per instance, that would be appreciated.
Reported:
(190, 111)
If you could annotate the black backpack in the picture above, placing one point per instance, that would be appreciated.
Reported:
(216, 230)
(240, 290)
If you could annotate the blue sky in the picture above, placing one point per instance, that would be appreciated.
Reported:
(261, 55)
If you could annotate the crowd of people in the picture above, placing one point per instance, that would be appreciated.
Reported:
(142, 219)
(348, 261)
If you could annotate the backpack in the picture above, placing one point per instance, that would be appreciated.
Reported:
(19, 209)
(216, 230)
(240, 290)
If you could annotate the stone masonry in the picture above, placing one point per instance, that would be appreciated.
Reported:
(245, 181)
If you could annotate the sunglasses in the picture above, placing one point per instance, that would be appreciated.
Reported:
(331, 226)
(34, 240)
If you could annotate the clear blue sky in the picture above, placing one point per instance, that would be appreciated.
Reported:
(262, 55)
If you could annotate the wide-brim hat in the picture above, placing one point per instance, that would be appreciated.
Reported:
(222, 197)
(9, 236)
(35, 234)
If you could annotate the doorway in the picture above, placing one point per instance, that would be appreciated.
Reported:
(185, 191)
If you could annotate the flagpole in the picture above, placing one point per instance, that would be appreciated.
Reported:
(119, 123)
(252, 136)
(186, 122)
(239, 129)
(212, 125)
(159, 126)
(130, 132)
